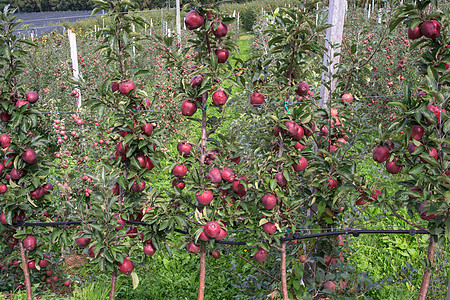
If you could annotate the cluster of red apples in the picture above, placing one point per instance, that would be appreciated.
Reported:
(430, 29)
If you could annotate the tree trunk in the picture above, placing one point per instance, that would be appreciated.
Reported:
(26, 272)
(201, 280)
(112, 294)
(427, 274)
(284, 290)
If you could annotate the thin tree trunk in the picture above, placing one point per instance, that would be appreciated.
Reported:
(112, 294)
(427, 274)
(201, 280)
(284, 290)
(26, 272)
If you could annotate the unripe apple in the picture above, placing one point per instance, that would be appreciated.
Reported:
(221, 31)
(222, 55)
(219, 97)
(269, 201)
(32, 96)
(125, 87)
(188, 108)
(126, 267)
(193, 20)
(302, 89)
(380, 154)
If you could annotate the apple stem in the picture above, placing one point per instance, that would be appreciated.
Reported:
(202, 278)
(112, 294)
(427, 275)
(26, 271)
(283, 272)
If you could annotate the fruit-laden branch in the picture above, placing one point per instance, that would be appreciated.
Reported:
(406, 221)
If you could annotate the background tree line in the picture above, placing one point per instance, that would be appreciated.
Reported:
(62, 5)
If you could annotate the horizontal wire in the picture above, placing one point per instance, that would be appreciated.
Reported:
(234, 106)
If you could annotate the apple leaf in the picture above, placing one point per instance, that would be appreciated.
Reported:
(135, 280)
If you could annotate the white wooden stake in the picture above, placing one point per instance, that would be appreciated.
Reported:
(317, 13)
(133, 28)
(179, 23)
(238, 22)
(167, 29)
(234, 13)
(32, 34)
(336, 17)
(380, 15)
(373, 5)
(74, 57)
(151, 26)
(368, 12)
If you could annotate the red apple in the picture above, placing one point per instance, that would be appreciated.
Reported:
(31, 265)
(193, 20)
(29, 243)
(184, 149)
(67, 283)
(228, 175)
(91, 252)
(392, 167)
(269, 227)
(203, 236)
(269, 201)
(415, 33)
(43, 263)
(299, 146)
(293, 128)
(37, 193)
(238, 187)
(188, 108)
(329, 285)
(301, 165)
(299, 135)
(114, 86)
(29, 156)
(222, 55)
(432, 152)
(412, 148)
(178, 183)
(16, 174)
(260, 255)
(125, 87)
(221, 31)
(147, 128)
(3, 218)
(204, 197)
(222, 234)
(148, 249)
(416, 132)
(179, 170)
(256, 99)
(216, 254)
(302, 259)
(4, 141)
(303, 89)
(380, 154)
(3, 189)
(281, 180)
(83, 242)
(347, 98)
(332, 183)
(215, 175)
(220, 97)
(193, 248)
(138, 186)
(21, 102)
(126, 267)
(430, 29)
(424, 214)
(196, 80)
(32, 96)
(212, 229)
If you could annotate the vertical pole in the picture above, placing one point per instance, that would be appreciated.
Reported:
(380, 15)
(368, 12)
(167, 29)
(317, 12)
(74, 57)
(238, 22)
(162, 21)
(336, 17)
(179, 23)
(151, 26)
(133, 28)
(103, 19)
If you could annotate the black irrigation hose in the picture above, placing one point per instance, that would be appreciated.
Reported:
(295, 236)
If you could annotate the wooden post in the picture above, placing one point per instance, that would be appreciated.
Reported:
(26, 271)
(74, 57)
(179, 23)
(336, 17)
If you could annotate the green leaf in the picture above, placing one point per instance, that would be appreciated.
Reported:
(135, 280)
